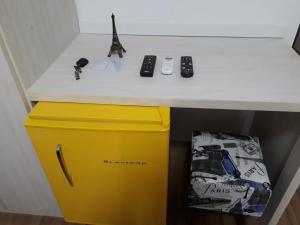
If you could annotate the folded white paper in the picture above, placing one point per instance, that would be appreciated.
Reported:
(110, 65)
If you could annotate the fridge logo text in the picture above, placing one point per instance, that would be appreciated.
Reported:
(140, 163)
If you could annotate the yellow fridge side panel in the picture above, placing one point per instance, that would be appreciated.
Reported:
(119, 177)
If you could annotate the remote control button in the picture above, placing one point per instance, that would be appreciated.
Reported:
(186, 66)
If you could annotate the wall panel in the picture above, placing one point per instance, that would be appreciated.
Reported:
(37, 31)
(23, 185)
(255, 18)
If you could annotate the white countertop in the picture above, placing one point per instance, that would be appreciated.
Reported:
(230, 73)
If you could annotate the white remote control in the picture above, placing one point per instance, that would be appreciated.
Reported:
(167, 66)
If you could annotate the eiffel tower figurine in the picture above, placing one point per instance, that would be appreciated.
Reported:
(116, 46)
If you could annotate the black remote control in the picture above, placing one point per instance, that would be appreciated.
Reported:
(186, 66)
(148, 66)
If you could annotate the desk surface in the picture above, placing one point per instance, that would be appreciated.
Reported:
(230, 73)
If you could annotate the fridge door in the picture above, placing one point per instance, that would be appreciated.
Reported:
(104, 167)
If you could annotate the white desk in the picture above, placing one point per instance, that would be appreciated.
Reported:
(230, 73)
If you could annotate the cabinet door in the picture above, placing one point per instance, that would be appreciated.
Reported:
(118, 177)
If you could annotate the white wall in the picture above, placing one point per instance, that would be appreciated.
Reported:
(189, 17)
(23, 185)
(37, 31)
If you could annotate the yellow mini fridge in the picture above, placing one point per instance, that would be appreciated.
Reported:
(106, 164)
